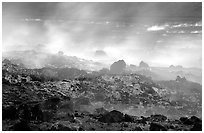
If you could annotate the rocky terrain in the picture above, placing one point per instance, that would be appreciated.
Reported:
(68, 99)
(38, 59)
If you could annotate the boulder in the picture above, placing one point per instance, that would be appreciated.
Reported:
(179, 79)
(183, 119)
(112, 117)
(190, 121)
(118, 67)
(157, 127)
(128, 118)
(143, 65)
(195, 119)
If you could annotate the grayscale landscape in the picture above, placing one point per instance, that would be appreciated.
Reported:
(115, 66)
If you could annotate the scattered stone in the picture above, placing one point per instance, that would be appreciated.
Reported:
(30, 102)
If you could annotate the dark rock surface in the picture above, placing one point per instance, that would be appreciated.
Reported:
(197, 127)
(158, 118)
(157, 127)
(85, 103)
(112, 117)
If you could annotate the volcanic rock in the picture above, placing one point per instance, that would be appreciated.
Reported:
(128, 118)
(157, 127)
(197, 127)
(112, 117)
(143, 65)
(195, 119)
(118, 67)
(158, 118)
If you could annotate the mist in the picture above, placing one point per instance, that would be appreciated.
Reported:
(161, 34)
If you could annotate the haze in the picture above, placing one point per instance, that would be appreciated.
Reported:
(161, 34)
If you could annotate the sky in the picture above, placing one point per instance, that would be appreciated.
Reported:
(161, 34)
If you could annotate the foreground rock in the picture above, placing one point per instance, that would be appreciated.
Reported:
(112, 117)
(157, 127)
(80, 104)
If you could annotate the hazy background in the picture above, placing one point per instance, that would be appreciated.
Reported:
(161, 34)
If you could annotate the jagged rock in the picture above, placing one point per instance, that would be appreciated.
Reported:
(112, 117)
(158, 118)
(179, 79)
(128, 118)
(195, 119)
(118, 67)
(6, 61)
(44, 105)
(183, 119)
(157, 127)
(143, 65)
(190, 121)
